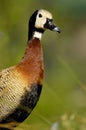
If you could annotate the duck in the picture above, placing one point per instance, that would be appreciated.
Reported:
(21, 84)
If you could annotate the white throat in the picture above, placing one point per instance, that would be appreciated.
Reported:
(37, 35)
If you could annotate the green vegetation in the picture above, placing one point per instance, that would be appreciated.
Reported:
(62, 105)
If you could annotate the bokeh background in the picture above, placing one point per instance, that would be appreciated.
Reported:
(62, 105)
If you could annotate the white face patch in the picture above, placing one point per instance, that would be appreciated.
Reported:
(37, 35)
(41, 18)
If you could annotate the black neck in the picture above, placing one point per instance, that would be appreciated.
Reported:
(32, 30)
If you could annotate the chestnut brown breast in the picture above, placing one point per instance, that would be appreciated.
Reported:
(20, 86)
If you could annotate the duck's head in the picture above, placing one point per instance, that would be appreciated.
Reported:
(39, 22)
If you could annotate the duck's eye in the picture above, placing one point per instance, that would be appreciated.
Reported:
(40, 15)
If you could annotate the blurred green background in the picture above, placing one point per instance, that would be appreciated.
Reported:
(62, 105)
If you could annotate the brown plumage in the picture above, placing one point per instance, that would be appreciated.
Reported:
(20, 85)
